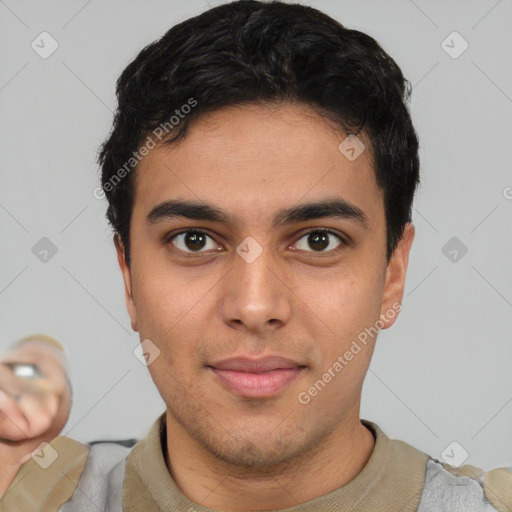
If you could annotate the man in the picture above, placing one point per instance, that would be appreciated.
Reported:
(260, 177)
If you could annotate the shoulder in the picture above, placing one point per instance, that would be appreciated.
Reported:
(48, 478)
(101, 483)
(467, 488)
(435, 486)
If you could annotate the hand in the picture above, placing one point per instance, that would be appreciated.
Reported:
(35, 400)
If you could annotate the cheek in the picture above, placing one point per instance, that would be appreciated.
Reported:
(345, 305)
(339, 319)
(170, 313)
(162, 299)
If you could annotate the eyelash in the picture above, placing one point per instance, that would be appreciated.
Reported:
(343, 242)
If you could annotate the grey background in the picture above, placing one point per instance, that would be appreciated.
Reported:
(441, 374)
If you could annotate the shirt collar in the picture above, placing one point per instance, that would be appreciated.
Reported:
(392, 479)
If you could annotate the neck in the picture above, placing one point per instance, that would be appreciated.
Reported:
(206, 480)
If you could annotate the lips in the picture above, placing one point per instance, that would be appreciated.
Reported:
(265, 364)
(256, 378)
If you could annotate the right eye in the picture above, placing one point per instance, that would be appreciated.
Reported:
(190, 239)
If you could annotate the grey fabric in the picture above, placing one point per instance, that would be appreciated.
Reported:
(101, 484)
(445, 492)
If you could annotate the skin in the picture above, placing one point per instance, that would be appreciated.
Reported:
(225, 451)
(41, 411)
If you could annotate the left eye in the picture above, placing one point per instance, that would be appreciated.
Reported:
(319, 240)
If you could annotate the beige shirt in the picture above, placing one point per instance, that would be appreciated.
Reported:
(394, 474)
(113, 478)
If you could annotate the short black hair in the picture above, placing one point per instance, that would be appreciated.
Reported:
(250, 51)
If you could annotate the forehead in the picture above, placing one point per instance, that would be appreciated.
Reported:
(255, 159)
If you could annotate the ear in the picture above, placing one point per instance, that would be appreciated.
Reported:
(395, 278)
(127, 278)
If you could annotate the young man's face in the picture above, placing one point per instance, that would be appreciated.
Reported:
(200, 301)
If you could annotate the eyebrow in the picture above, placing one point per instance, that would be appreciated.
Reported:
(330, 207)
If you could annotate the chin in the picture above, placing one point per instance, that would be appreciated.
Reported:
(255, 450)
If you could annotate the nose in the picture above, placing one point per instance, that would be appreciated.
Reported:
(257, 296)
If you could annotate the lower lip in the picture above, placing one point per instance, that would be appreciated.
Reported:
(257, 385)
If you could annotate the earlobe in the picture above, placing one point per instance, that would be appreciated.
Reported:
(395, 278)
(127, 279)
